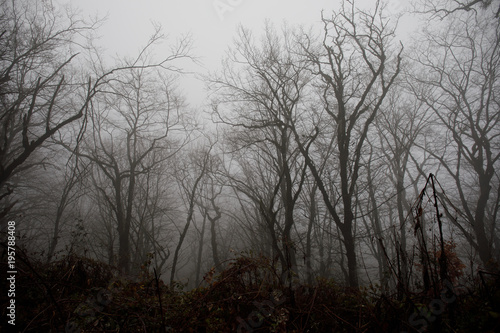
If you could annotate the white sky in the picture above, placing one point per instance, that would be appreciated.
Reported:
(212, 28)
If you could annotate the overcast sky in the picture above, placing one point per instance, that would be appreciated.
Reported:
(212, 23)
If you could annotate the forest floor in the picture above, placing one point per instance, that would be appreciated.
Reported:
(77, 294)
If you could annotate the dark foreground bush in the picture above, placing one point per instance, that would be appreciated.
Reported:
(77, 294)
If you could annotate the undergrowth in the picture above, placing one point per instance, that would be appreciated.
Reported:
(77, 294)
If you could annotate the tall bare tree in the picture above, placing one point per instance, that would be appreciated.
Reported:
(71, 192)
(260, 95)
(190, 175)
(39, 92)
(458, 79)
(137, 125)
(356, 64)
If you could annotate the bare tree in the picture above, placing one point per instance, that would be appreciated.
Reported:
(137, 125)
(260, 94)
(399, 129)
(253, 212)
(190, 176)
(458, 79)
(209, 206)
(152, 225)
(442, 9)
(39, 95)
(69, 195)
(356, 66)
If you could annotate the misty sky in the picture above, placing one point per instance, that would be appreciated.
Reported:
(211, 23)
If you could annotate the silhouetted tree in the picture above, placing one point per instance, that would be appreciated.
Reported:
(458, 79)
(137, 125)
(259, 96)
(40, 93)
(356, 65)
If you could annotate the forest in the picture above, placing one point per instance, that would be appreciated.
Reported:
(337, 179)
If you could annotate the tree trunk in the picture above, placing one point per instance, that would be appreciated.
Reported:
(484, 244)
(350, 248)
(188, 222)
(213, 235)
(200, 251)
(312, 219)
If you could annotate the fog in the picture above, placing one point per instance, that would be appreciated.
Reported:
(205, 159)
